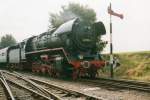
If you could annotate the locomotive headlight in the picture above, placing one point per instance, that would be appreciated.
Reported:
(80, 56)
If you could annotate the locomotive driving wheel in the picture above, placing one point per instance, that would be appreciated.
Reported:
(93, 75)
(93, 72)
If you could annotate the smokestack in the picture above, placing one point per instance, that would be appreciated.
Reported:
(99, 28)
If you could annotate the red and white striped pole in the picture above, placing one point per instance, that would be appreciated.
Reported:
(111, 12)
(111, 48)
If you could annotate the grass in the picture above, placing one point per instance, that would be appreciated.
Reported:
(134, 65)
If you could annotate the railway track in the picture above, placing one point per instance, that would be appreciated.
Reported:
(59, 92)
(66, 94)
(123, 84)
(24, 89)
(5, 92)
(14, 91)
(118, 84)
(3, 95)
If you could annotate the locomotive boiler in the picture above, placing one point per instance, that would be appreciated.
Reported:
(69, 50)
(73, 36)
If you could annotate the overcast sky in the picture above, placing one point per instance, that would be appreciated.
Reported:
(24, 18)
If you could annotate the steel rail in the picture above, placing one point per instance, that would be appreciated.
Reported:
(128, 84)
(28, 89)
(53, 96)
(126, 81)
(6, 86)
(120, 83)
(88, 97)
(40, 88)
(145, 86)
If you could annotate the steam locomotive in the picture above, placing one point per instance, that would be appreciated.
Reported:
(69, 50)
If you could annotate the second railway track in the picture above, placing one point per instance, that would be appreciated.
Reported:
(118, 83)
(123, 84)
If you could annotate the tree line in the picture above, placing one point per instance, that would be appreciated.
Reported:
(70, 11)
(7, 40)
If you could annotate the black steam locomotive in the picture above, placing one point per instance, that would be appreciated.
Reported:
(69, 50)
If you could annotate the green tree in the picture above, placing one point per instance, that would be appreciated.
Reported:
(71, 11)
(7, 40)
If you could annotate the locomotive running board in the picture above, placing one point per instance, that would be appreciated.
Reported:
(50, 50)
